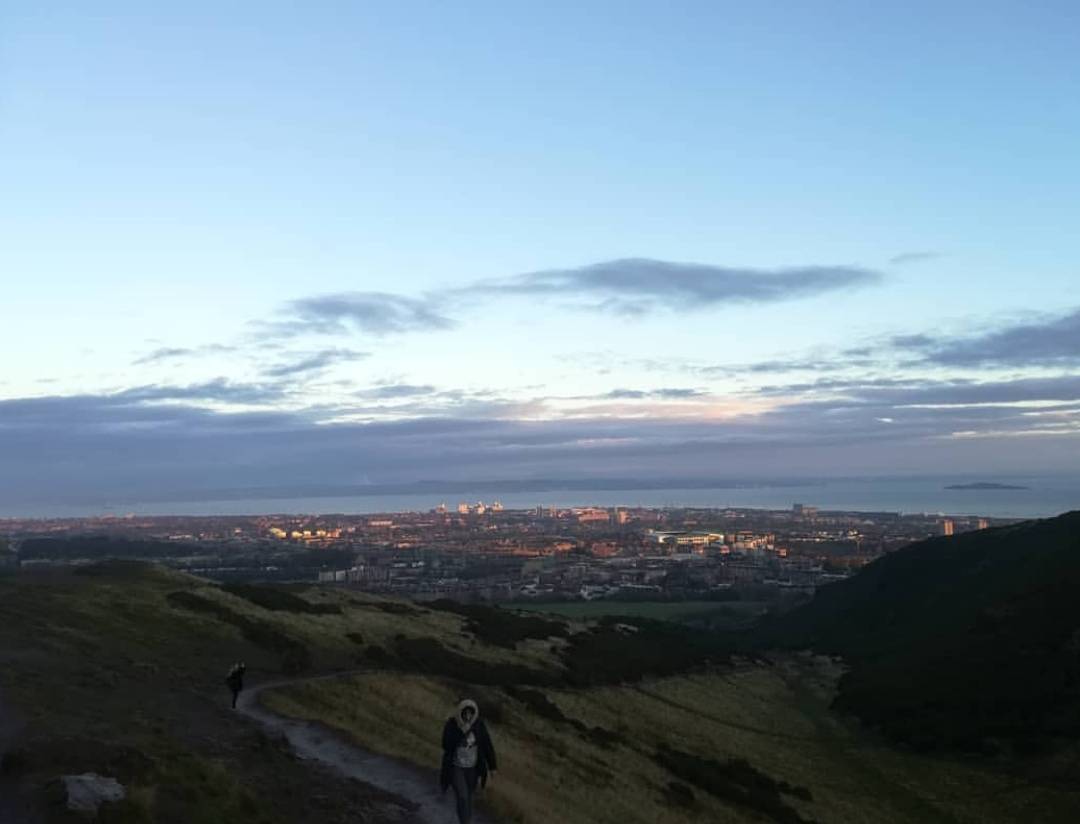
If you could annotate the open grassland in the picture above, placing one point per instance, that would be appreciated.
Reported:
(591, 755)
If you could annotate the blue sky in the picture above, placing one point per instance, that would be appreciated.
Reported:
(492, 240)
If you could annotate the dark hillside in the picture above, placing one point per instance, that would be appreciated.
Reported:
(971, 641)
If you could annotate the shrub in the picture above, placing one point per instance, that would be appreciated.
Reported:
(500, 627)
(279, 600)
(679, 796)
(617, 652)
(736, 781)
(295, 656)
(428, 656)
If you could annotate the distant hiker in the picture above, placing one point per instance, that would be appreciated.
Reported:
(235, 680)
(468, 756)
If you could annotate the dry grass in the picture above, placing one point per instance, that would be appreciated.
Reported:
(775, 718)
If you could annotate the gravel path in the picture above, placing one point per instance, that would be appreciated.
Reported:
(317, 742)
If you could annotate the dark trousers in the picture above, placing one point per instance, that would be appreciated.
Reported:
(463, 781)
(235, 694)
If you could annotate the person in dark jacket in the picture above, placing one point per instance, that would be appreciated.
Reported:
(235, 680)
(468, 756)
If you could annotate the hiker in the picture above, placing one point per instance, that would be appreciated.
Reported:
(235, 680)
(468, 756)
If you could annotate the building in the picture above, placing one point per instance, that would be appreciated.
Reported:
(804, 511)
(592, 515)
(947, 526)
(685, 539)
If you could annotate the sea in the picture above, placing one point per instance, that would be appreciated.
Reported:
(1041, 496)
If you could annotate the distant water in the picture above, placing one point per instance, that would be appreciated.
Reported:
(1044, 496)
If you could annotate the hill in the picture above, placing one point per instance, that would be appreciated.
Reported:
(962, 642)
(117, 669)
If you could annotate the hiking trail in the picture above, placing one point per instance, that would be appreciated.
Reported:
(317, 742)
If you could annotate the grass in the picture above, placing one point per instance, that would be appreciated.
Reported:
(720, 614)
(119, 670)
(772, 723)
(113, 671)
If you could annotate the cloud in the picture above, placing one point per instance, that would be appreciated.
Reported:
(669, 393)
(133, 446)
(393, 391)
(632, 286)
(219, 390)
(375, 313)
(174, 353)
(907, 392)
(314, 362)
(1050, 341)
(641, 285)
(913, 257)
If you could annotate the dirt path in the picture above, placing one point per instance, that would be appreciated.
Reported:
(319, 743)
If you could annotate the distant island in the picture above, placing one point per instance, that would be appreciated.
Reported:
(985, 485)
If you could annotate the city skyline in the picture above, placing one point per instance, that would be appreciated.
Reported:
(362, 245)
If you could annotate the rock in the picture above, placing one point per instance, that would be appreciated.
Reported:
(87, 792)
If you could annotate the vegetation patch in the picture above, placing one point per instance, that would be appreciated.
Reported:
(967, 642)
(616, 652)
(737, 782)
(679, 796)
(427, 656)
(543, 707)
(500, 627)
(295, 656)
(391, 607)
(279, 599)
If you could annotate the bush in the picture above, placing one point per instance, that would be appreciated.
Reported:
(279, 600)
(736, 781)
(428, 656)
(679, 796)
(500, 627)
(542, 706)
(617, 651)
(295, 656)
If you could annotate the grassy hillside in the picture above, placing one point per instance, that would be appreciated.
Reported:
(597, 755)
(118, 669)
(109, 674)
(969, 642)
(717, 614)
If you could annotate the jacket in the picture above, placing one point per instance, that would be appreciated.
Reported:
(485, 751)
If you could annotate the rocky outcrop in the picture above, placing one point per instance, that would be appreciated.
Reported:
(87, 792)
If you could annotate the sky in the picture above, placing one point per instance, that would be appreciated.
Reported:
(277, 245)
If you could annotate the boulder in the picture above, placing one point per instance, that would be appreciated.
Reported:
(87, 792)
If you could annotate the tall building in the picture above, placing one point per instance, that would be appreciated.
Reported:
(947, 526)
(982, 524)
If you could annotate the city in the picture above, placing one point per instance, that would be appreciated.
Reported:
(478, 551)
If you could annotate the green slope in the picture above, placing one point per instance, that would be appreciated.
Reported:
(971, 641)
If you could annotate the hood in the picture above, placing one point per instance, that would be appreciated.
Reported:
(468, 703)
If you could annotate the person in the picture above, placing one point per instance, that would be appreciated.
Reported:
(468, 756)
(235, 680)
